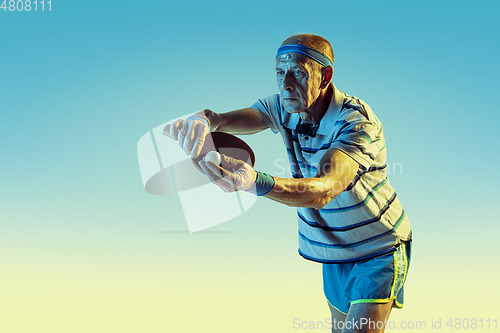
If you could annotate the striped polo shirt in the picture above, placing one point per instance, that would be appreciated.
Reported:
(366, 220)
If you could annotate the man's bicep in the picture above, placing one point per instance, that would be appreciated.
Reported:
(338, 169)
(242, 121)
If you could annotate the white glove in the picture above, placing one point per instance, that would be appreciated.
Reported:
(241, 178)
(190, 133)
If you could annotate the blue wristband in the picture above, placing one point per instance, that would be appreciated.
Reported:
(264, 183)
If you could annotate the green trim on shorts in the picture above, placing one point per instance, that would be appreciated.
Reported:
(396, 304)
(386, 300)
(336, 308)
(392, 297)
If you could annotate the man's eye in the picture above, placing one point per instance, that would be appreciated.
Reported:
(297, 73)
(280, 73)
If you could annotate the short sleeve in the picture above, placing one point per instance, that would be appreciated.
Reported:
(269, 109)
(361, 139)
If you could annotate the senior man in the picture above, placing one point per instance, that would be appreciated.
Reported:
(349, 217)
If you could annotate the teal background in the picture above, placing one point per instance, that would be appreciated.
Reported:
(85, 248)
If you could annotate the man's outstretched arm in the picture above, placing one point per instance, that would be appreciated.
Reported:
(242, 121)
(336, 171)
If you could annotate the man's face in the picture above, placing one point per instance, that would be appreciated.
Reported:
(298, 84)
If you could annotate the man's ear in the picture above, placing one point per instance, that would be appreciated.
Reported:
(327, 76)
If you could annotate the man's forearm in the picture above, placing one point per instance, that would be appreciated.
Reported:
(336, 171)
(304, 192)
(243, 121)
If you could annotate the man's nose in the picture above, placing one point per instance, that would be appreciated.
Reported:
(288, 82)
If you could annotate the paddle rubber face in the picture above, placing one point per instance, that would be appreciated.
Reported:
(226, 144)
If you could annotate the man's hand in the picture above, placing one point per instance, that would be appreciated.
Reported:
(240, 178)
(190, 133)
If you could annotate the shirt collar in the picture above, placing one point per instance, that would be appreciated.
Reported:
(291, 120)
(332, 113)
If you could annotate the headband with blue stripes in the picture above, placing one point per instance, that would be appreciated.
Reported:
(307, 51)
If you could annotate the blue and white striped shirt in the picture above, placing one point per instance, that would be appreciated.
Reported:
(366, 220)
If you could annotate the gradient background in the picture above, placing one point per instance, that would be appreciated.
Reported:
(85, 249)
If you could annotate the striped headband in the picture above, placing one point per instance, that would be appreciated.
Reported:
(307, 51)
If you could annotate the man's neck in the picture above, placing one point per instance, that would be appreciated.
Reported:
(313, 115)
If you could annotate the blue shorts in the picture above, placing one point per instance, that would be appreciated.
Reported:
(377, 280)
